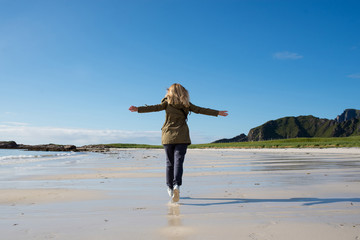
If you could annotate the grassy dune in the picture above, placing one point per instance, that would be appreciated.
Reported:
(282, 143)
(130, 145)
(289, 143)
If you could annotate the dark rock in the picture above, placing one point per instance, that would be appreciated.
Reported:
(49, 147)
(70, 148)
(93, 148)
(54, 147)
(8, 145)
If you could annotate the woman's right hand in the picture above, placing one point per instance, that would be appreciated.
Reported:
(133, 109)
(223, 113)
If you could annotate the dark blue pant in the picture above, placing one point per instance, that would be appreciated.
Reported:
(175, 155)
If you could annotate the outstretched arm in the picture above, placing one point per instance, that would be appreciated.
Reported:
(207, 111)
(151, 108)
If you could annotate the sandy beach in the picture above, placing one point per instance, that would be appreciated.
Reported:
(256, 194)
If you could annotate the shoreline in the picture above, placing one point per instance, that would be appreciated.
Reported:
(293, 143)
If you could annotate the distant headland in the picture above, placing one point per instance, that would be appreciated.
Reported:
(344, 125)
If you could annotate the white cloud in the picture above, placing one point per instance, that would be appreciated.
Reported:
(25, 134)
(287, 56)
(355, 75)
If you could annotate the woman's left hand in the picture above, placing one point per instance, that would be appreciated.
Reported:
(133, 109)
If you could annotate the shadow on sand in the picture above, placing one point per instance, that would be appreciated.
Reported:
(224, 201)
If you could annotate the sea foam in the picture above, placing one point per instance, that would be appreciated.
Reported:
(8, 157)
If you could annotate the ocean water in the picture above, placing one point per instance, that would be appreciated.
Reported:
(16, 163)
(21, 169)
(17, 156)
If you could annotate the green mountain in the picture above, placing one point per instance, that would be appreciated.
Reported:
(346, 124)
(304, 126)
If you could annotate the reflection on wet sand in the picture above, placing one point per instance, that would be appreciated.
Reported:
(174, 218)
(175, 229)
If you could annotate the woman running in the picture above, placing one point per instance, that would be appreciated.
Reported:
(175, 132)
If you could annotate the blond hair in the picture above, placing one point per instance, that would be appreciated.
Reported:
(177, 94)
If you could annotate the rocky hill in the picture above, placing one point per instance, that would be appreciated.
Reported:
(348, 114)
(344, 125)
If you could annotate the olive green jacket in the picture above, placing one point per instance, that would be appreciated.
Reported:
(175, 129)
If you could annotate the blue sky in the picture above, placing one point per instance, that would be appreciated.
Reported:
(69, 70)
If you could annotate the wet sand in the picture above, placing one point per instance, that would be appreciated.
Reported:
(226, 194)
